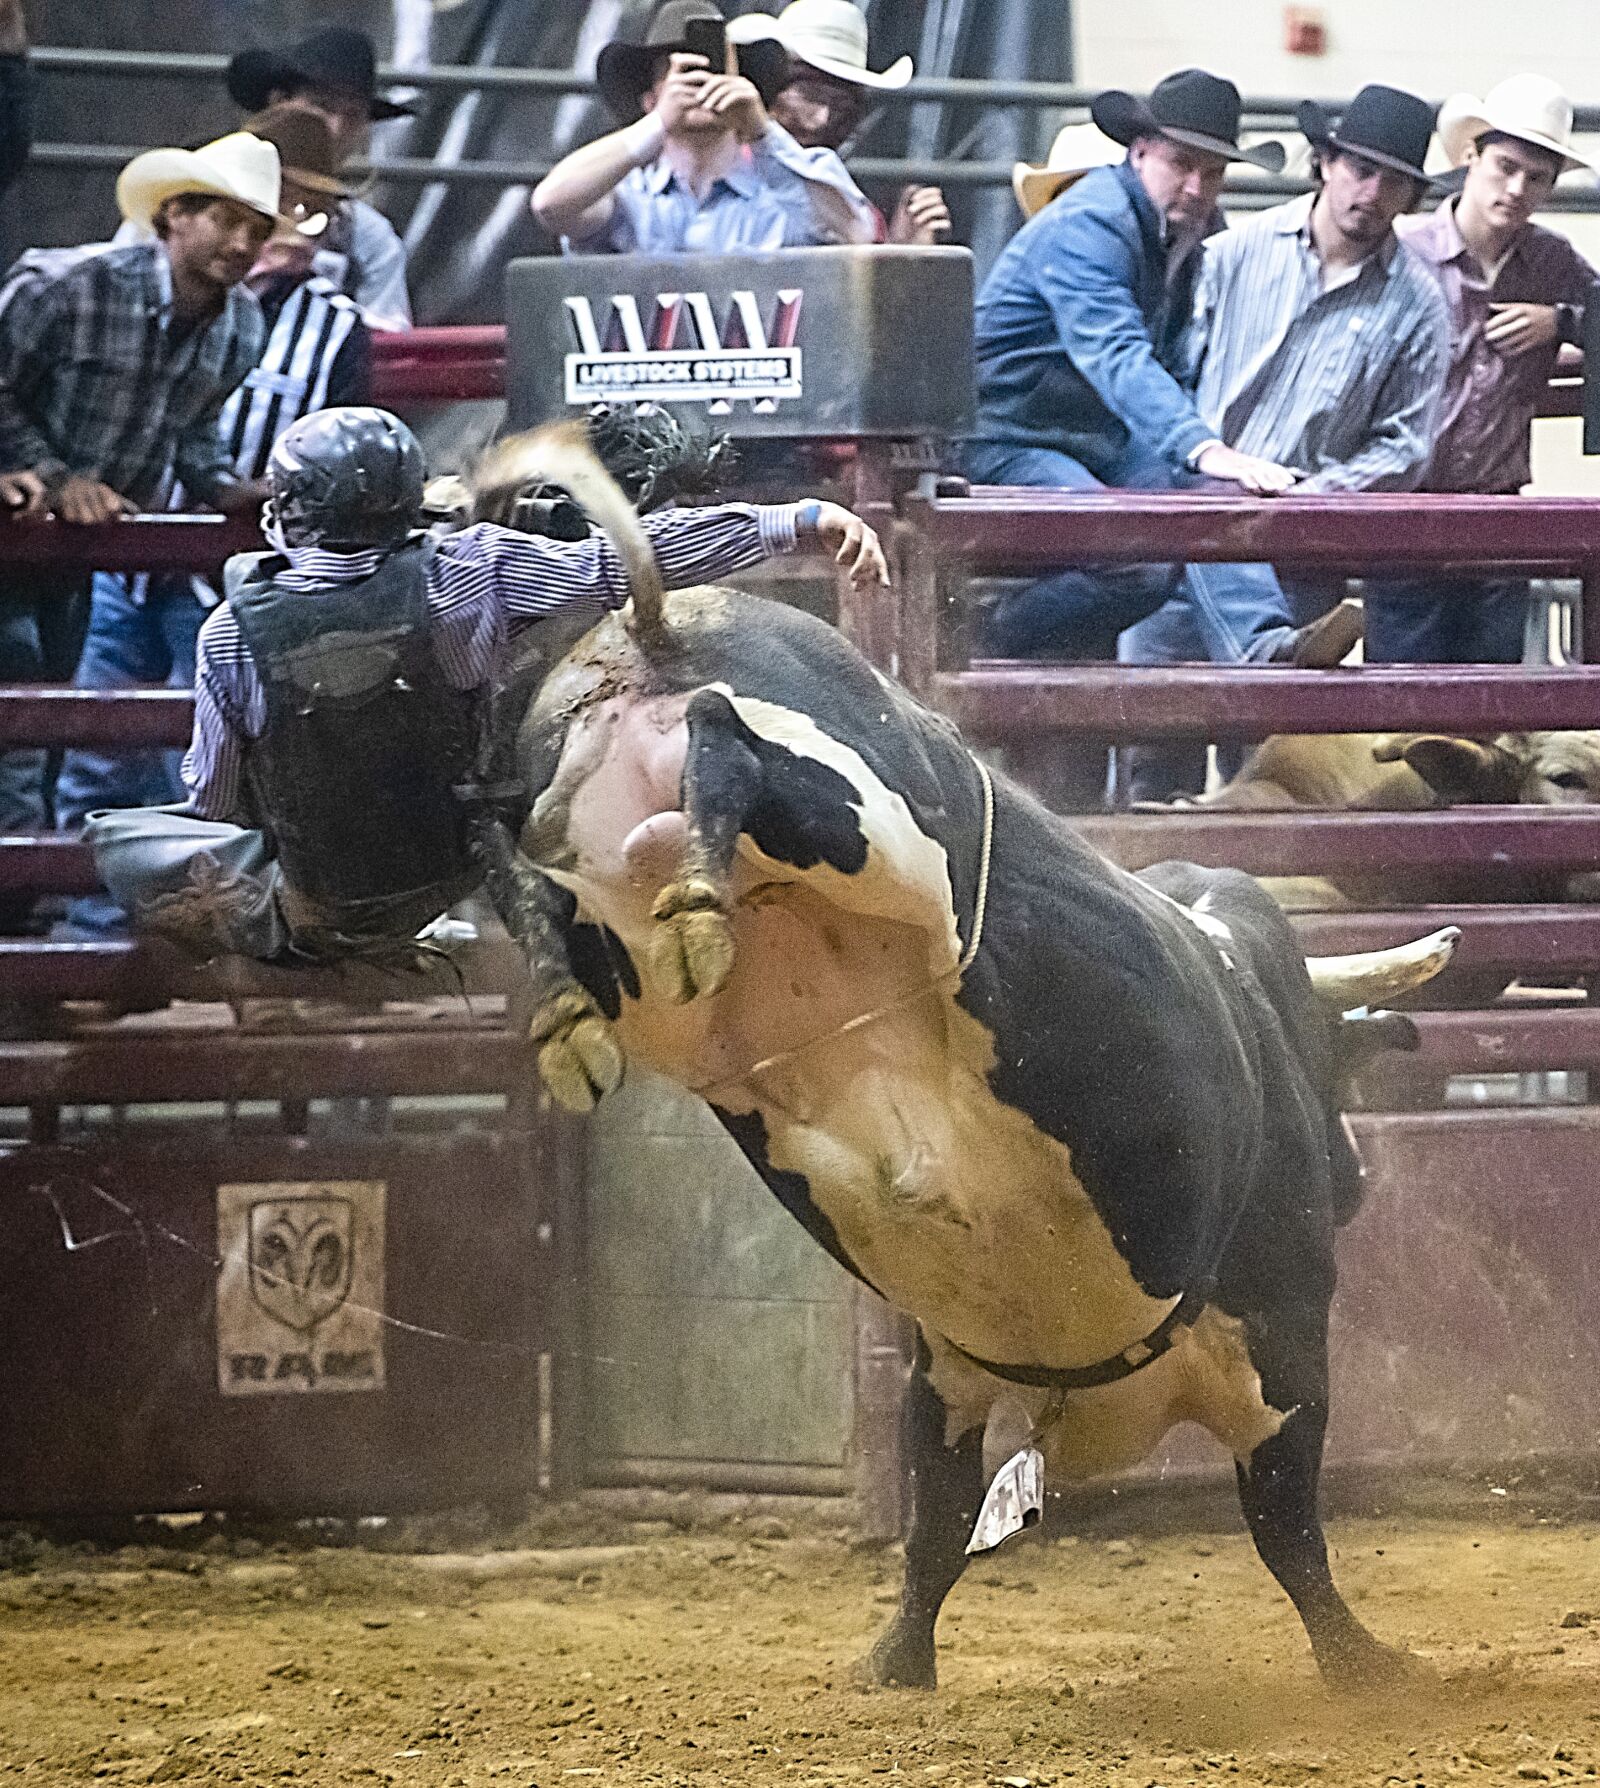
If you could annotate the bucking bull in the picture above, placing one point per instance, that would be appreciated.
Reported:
(1082, 1125)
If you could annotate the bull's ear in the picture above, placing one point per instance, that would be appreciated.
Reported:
(1460, 770)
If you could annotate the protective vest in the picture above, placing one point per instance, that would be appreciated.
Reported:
(354, 777)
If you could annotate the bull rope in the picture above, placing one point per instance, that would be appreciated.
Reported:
(980, 908)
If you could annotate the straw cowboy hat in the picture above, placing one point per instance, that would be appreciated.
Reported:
(242, 166)
(1381, 124)
(625, 69)
(341, 60)
(1191, 107)
(1078, 150)
(827, 35)
(1526, 106)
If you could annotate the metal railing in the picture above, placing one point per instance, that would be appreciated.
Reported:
(1271, 115)
(548, 83)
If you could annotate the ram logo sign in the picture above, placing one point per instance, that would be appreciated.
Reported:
(683, 353)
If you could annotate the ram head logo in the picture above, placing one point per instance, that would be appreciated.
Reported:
(300, 1258)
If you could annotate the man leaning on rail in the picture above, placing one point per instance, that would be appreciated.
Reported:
(1515, 292)
(338, 689)
(1318, 342)
(114, 366)
(143, 626)
(1079, 328)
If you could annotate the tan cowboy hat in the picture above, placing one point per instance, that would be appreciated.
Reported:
(241, 166)
(309, 162)
(1525, 106)
(827, 35)
(1078, 150)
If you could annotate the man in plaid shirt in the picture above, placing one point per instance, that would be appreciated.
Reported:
(114, 367)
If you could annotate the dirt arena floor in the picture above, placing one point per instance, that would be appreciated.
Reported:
(649, 1655)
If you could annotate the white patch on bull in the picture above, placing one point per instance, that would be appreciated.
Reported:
(956, 1205)
(1205, 1377)
(907, 873)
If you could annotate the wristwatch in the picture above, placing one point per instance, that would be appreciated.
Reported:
(1569, 324)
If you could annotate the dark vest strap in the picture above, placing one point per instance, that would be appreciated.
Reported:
(1085, 1378)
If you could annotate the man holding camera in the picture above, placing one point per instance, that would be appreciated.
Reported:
(699, 167)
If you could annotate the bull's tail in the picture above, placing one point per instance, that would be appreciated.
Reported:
(1345, 982)
(560, 454)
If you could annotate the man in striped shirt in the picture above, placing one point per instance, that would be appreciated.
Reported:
(1319, 343)
(350, 769)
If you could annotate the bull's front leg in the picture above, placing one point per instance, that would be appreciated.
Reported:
(692, 950)
(946, 1488)
(1279, 1490)
(579, 1057)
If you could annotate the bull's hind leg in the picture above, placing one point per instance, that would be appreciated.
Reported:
(579, 1059)
(946, 1489)
(1278, 1487)
(692, 950)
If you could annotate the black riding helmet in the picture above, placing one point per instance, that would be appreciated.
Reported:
(346, 477)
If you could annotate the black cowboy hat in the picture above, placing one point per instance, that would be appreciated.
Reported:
(1381, 124)
(337, 58)
(624, 71)
(1192, 107)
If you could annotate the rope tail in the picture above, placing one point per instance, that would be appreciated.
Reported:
(560, 454)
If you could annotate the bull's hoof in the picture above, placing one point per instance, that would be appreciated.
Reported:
(579, 1058)
(900, 1660)
(692, 949)
(1362, 1665)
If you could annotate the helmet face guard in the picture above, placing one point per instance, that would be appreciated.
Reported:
(350, 477)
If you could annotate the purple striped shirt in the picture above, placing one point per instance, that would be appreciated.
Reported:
(485, 585)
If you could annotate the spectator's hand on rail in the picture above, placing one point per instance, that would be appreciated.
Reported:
(81, 500)
(921, 218)
(21, 493)
(1515, 329)
(855, 547)
(1261, 477)
(736, 102)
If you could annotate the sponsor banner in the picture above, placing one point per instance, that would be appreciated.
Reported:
(667, 376)
(301, 1286)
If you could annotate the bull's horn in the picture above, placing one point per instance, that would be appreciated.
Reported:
(1346, 982)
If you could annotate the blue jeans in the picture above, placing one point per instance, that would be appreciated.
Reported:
(1446, 620)
(1239, 611)
(42, 617)
(129, 643)
(1171, 636)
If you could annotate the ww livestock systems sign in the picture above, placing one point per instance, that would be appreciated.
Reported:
(734, 359)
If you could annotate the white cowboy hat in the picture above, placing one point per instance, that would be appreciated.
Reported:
(827, 35)
(240, 166)
(1525, 106)
(1078, 150)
